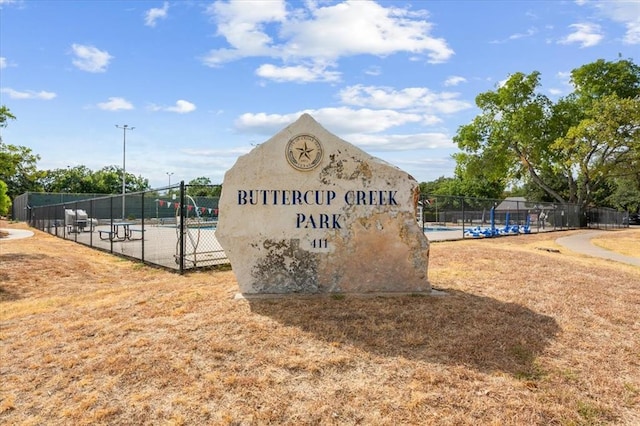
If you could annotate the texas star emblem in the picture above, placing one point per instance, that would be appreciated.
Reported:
(304, 152)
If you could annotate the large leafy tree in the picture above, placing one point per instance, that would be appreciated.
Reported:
(510, 139)
(18, 169)
(5, 201)
(76, 179)
(17, 163)
(203, 187)
(602, 78)
(603, 145)
(474, 179)
(441, 186)
(108, 180)
(80, 179)
(573, 149)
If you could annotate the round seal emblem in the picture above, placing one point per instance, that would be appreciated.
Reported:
(304, 152)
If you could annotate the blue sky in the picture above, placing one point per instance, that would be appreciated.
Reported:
(203, 82)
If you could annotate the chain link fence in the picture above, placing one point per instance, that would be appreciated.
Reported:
(466, 217)
(172, 227)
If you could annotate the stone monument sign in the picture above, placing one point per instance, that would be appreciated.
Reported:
(307, 212)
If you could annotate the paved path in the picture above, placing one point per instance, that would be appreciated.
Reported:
(14, 234)
(581, 243)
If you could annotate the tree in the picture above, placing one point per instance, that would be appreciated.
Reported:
(474, 178)
(17, 163)
(5, 201)
(108, 180)
(202, 187)
(509, 140)
(78, 179)
(5, 115)
(626, 196)
(440, 186)
(602, 78)
(18, 169)
(604, 144)
(572, 149)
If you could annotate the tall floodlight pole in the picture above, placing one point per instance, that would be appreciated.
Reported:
(169, 174)
(124, 128)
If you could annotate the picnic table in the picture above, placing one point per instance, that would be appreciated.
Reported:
(121, 231)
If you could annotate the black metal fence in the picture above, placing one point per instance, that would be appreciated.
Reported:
(172, 227)
(478, 218)
(23, 203)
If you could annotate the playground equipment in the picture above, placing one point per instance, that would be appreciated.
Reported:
(493, 231)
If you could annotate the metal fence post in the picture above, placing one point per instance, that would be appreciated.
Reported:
(142, 223)
(462, 208)
(111, 222)
(182, 219)
(90, 220)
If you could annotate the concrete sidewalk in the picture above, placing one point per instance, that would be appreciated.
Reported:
(15, 234)
(581, 243)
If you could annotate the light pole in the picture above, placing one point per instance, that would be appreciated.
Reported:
(124, 128)
(169, 174)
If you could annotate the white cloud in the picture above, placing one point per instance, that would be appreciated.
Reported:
(454, 80)
(5, 63)
(361, 127)
(563, 84)
(181, 107)
(230, 153)
(29, 94)
(529, 33)
(586, 34)
(395, 142)
(564, 77)
(321, 34)
(116, 104)
(409, 98)
(341, 120)
(242, 23)
(329, 32)
(152, 15)
(90, 59)
(373, 70)
(624, 12)
(298, 73)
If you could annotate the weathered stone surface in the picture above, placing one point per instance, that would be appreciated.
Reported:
(306, 212)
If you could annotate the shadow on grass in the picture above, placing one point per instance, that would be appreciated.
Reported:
(9, 290)
(458, 329)
(5, 294)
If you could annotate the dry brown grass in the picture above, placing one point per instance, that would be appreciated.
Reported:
(524, 336)
(624, 243)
